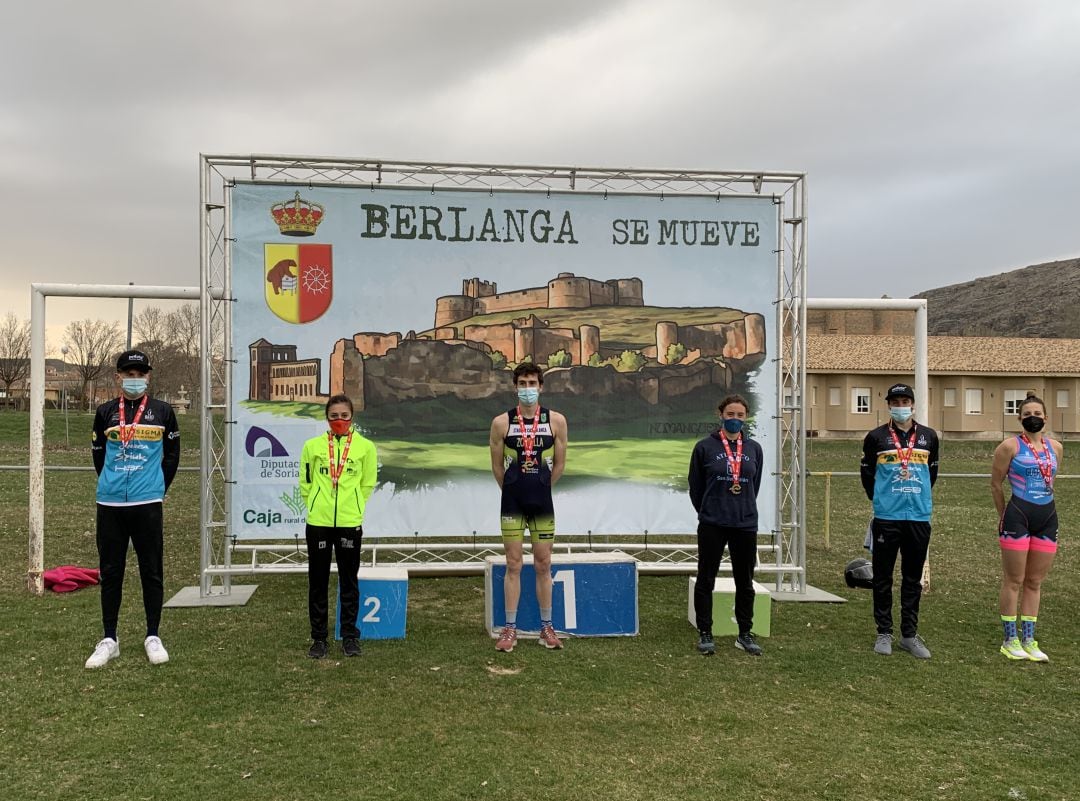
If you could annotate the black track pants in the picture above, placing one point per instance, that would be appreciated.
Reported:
(742, 546)
(142, 526)
(911, 540)
(345, 542)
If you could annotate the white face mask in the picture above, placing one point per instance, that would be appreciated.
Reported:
(900, 414)
(528, 395)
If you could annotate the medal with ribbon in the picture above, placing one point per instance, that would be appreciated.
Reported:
(127, 432)
(1047, 470)
(734, 463)
(336, 466)
(901, 454)
(528, 440)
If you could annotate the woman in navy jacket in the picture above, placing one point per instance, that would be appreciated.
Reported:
(725, 476)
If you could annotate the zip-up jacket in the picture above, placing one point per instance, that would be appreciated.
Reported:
(141, 470)
(342, 507)
(896, 497)
(710, 482)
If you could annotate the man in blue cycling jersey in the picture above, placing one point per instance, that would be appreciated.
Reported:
(899, 468)
(136, 449)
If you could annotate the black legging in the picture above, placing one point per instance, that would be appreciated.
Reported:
(742, 545)
(142, 525)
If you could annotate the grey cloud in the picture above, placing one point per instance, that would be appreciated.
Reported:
(937, 136)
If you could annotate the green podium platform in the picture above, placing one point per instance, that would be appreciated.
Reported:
(724, 608)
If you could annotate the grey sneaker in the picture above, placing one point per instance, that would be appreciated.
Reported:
(915, 646)
(746, 642)
(706, 646)
(883, 645)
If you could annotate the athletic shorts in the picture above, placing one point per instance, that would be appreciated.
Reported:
(1028, 526)
(527, 510)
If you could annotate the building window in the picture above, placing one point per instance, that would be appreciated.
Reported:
(949, 398)
(813, 396)
(834, 396)
(1013, 399)
(860, 400)
(1063, 399)
(973, 401)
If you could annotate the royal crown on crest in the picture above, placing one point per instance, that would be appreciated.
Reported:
(297, 217)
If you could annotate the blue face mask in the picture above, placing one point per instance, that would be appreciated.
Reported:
(133, 387)
(528, 395)
(733, 425)
(900, 414)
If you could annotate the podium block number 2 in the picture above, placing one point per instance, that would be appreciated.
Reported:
(566, 578)
(373, 613)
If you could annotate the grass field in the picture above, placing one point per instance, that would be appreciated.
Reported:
(240, 713)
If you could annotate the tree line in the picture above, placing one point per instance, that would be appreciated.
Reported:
(89, 349)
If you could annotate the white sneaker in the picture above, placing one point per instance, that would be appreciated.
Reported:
(155, 651)
(105, 650)
(1033, 652)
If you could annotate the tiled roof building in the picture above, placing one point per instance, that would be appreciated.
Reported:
(975, 383)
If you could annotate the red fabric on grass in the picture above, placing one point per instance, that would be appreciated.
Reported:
(69, 578)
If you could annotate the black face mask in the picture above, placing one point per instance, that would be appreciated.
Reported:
(1032, 424)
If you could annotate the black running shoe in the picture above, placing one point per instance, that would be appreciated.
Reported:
(318, 649)
(350, 646)
(746, 642)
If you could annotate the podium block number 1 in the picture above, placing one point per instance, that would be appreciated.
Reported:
(566, 578)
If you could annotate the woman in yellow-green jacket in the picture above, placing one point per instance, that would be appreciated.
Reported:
(337, 476)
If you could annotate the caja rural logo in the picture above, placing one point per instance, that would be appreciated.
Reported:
(298, 279)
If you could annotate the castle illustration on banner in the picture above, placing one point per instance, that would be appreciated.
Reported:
(598, 337)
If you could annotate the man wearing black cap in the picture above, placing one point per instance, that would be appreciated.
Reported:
(136, 449)
(899, 468)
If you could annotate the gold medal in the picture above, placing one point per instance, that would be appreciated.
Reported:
(736, 488)
(905, 474)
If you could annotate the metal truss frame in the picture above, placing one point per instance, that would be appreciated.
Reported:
(222, 557)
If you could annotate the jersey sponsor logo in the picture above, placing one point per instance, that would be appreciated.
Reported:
(889, 457)
(144, 433)
(298, 281)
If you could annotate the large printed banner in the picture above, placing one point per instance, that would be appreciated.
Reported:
(645, 311)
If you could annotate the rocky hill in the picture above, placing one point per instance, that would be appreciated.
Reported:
(1042, 300)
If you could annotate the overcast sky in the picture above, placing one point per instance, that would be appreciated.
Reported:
(939, 138)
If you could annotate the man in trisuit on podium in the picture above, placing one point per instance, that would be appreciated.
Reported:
(528, 454)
